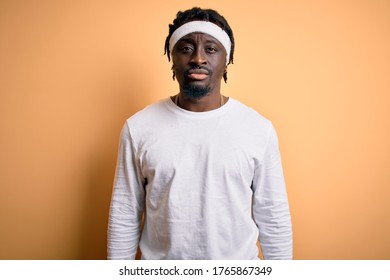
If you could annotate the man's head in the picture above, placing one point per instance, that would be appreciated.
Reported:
(201, 45)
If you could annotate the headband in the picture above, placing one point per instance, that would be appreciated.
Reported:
(203, 27)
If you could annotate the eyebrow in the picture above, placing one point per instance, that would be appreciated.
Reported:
(185, 40)
(192, 41)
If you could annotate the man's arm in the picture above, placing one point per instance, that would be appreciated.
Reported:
(127, 203)
(270, 204)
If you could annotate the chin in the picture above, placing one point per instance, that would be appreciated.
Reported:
(195, 91)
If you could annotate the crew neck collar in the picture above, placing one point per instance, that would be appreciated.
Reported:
(200, 115)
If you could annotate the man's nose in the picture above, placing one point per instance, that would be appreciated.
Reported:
(199, 57)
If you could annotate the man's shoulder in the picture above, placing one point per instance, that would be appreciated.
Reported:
(249, 114)
(151, 112)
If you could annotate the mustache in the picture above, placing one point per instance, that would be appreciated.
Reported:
(209, 71)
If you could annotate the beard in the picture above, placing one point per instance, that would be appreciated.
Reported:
(192, 91)
(195, 92)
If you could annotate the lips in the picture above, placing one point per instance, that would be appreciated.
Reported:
(197, 74)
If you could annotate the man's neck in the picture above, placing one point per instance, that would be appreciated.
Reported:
(207, 103)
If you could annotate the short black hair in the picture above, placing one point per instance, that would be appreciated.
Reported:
(197, 13)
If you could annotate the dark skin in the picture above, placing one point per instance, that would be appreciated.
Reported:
(199, 50)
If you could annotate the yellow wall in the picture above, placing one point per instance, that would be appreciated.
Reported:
(71, 72)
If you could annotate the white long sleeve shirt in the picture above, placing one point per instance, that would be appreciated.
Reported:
(210, 183)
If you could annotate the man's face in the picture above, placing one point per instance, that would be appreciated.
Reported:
(199, 61)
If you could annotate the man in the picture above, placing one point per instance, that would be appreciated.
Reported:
(202, 168)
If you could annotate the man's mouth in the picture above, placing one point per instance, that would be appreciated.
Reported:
(198, 74)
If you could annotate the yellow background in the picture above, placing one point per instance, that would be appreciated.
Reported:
(71, 72)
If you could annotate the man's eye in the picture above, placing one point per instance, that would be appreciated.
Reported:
(186, 49)
(211, 49)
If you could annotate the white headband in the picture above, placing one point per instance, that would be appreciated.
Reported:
(203, 27)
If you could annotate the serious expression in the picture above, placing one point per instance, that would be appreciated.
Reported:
(199, 61)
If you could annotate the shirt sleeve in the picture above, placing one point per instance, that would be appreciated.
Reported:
(270, 204)
(127, 202)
